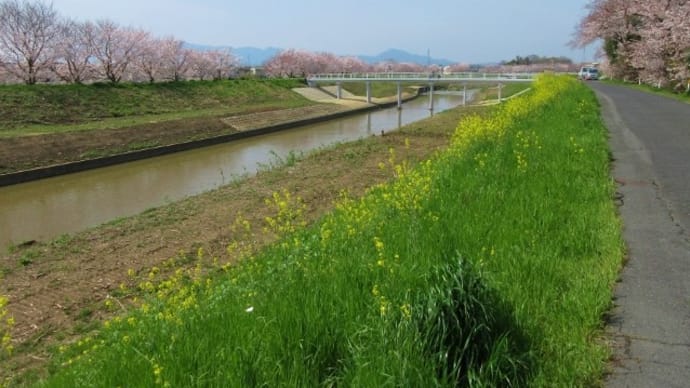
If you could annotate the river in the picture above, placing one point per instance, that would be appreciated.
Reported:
(44, 209)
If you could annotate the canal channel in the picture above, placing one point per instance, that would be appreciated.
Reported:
(44, 209)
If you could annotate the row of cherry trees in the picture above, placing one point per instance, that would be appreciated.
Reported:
(300, 63)
(645, 40)
(37, 44)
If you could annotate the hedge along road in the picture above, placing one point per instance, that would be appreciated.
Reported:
(650, 322)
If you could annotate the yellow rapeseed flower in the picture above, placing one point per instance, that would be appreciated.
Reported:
(384, 306)
(378, 244)
(406, 311)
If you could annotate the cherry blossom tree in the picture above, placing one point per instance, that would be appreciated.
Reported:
(647, 40)
(35, 40)
(662, 53)
(383, 67)
(457, 68)
(213, 64)
(5, 77)
(407, 67)
(28, 31)
(150, 59)
(73, 52)
(223, 63)
(201, 65)
(616, 23)
(288, 63)
(351, 64)
(298, 63)
(116, 48)
(175, 58)
(399, 67)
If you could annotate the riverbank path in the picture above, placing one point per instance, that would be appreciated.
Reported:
(649, 326)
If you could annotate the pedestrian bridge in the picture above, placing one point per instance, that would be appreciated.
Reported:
(425, 79)
(421, 77)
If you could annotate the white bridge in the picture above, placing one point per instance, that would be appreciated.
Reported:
(426, 79)
(422, 77)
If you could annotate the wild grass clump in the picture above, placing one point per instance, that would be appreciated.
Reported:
(488, 265)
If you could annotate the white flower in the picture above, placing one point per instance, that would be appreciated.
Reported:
(249, 309)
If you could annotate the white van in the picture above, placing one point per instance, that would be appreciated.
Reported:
(588, 73)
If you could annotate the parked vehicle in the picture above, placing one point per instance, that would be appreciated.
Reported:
(588, 73)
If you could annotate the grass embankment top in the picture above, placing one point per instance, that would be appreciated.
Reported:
(53, 108)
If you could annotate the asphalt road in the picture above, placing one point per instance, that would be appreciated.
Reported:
(649, 326)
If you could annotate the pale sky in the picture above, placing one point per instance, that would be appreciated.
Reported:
(472, 31)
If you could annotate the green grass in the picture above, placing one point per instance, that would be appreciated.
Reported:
(56, 108)
(489, 265)
(489, 92)
(510, 89)
(378, 89)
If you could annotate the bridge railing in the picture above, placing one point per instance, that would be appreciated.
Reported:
(399, 76)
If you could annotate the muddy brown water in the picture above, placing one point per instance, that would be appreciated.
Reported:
(45, 209)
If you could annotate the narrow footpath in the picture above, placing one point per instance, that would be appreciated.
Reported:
(649, 326)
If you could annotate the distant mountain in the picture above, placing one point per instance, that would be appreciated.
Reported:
(253, 56)
(400, 56)
(248, 56)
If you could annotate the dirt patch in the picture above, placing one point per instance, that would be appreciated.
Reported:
(25, 152)
(58, 290)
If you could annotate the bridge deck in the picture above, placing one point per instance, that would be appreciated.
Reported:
(422, 77)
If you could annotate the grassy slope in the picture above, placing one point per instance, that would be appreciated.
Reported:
(53, 108)
(489, 92)
(378, 89)
(491, 263)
